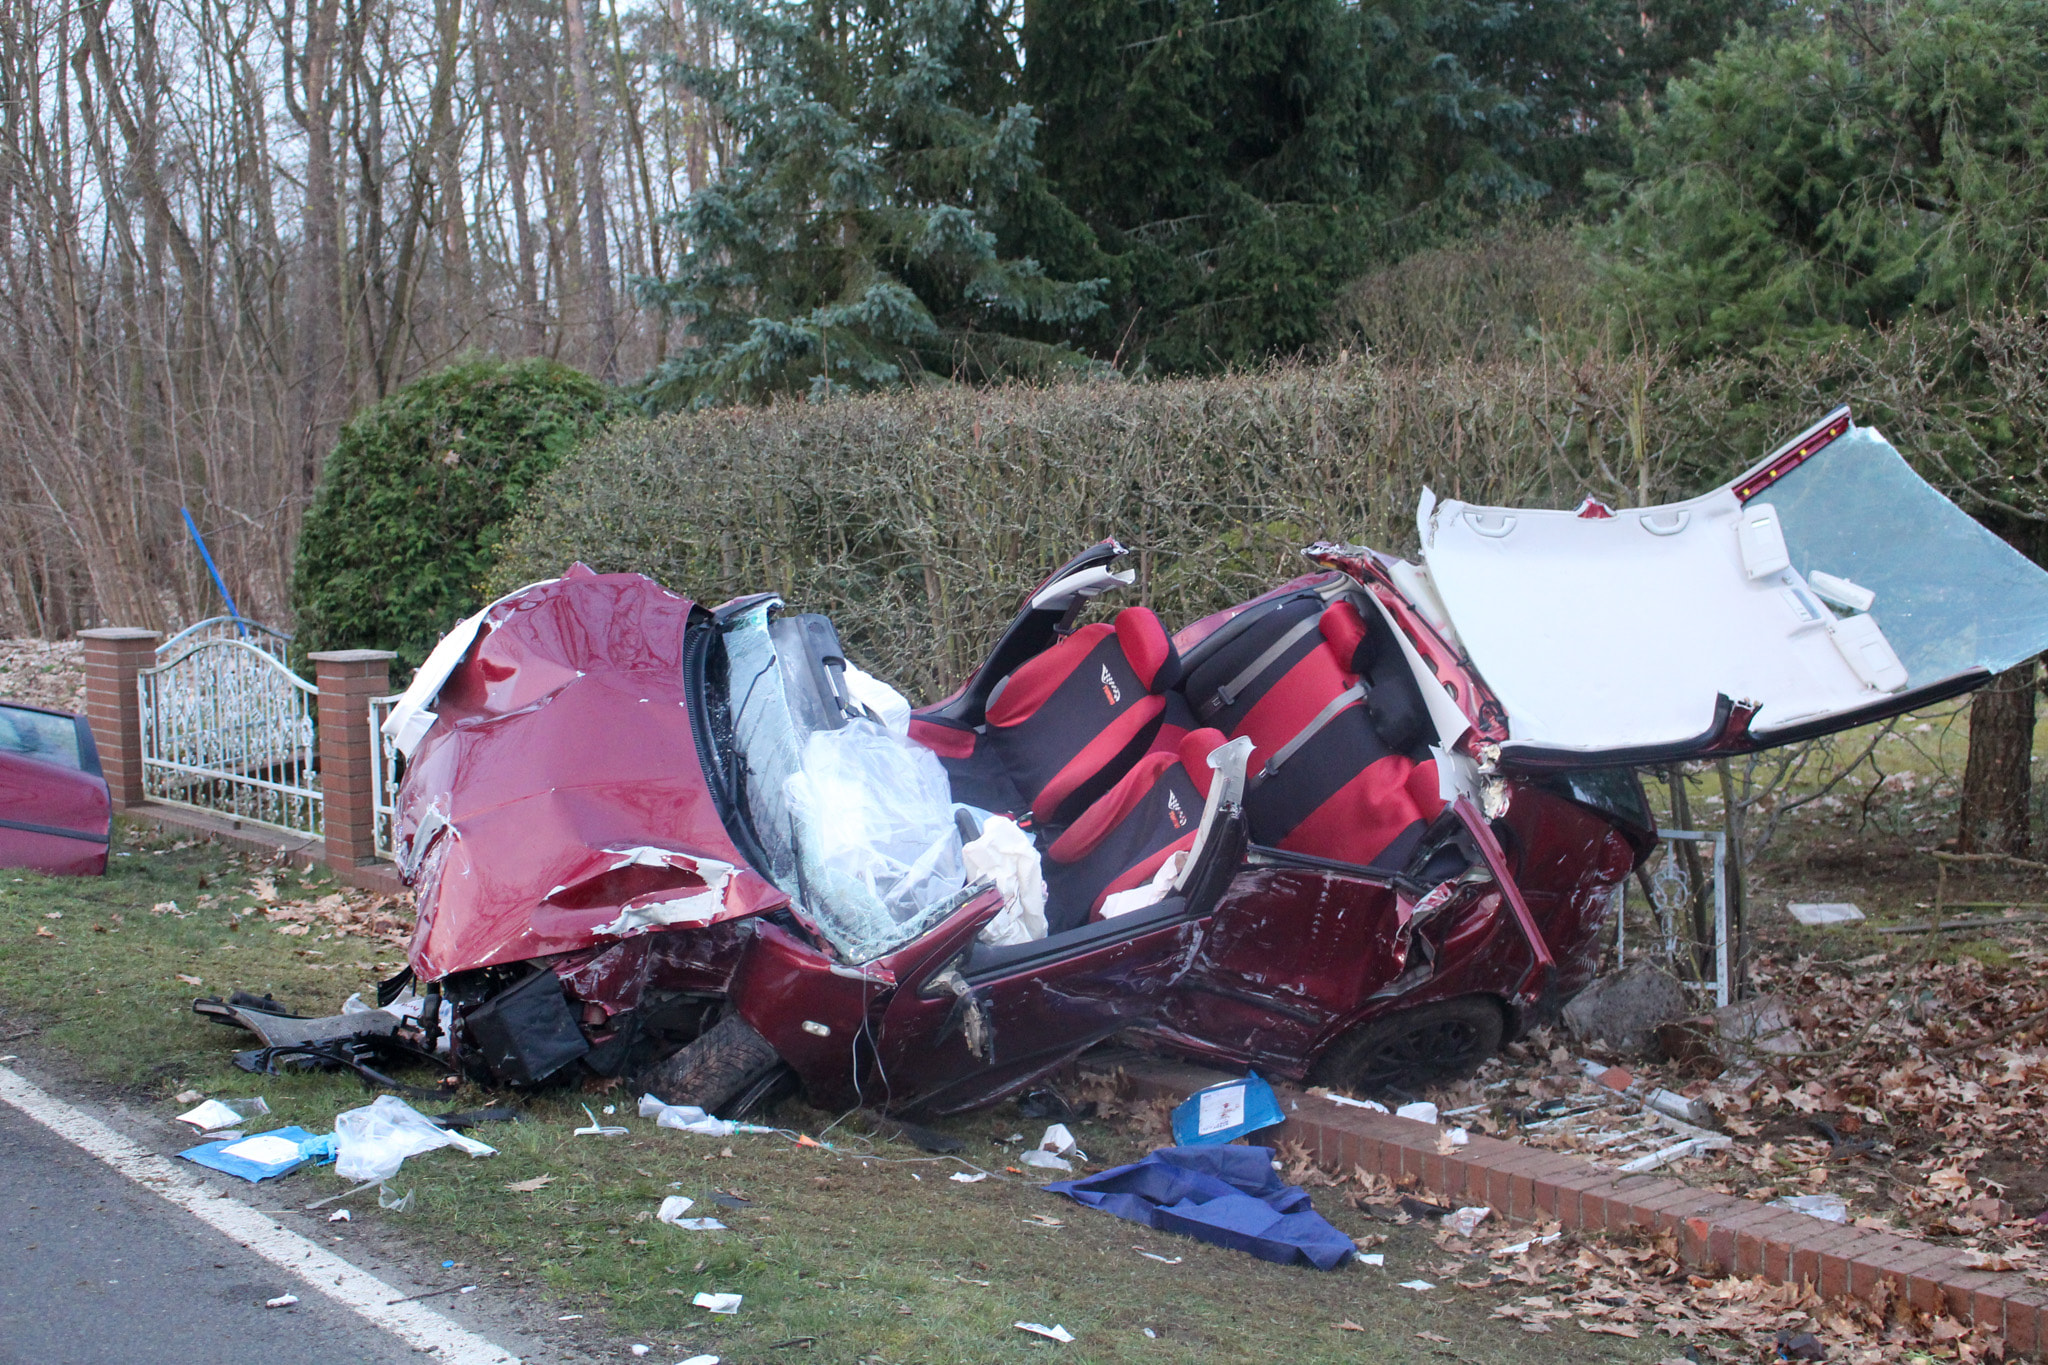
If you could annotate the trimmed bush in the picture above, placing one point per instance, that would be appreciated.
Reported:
(401, 535)
(918, 520)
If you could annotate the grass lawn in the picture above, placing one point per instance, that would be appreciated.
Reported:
(863, 1252)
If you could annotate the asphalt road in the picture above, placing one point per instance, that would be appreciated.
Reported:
(94, 1268)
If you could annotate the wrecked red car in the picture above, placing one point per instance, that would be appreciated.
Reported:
(55, 810)
(1361, 828)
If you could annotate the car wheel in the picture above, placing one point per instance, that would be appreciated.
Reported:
(728, 1068)
(1441, 1041)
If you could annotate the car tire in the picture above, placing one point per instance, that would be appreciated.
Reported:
(728, 1070)
(1407, 1050)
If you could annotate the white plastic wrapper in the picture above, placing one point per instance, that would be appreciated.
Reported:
(1005, 855)
(873, 818)
(371, 1143)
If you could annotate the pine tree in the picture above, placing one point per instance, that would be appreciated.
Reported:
(1241, 158)
(857, 241)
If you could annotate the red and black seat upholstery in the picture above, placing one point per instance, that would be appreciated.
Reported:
(1121, 840)
(1068, 723)
(1341, 767)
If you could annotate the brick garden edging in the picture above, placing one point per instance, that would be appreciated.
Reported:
(1714, 1231)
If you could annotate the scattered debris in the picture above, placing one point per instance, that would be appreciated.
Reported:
(340, 1216)
(1466, 1221)
(370, 1143)
(538, 1182)
(965, 1179)
(718, 1303)
(281, 1301)
(1226, 1111)
(675, 1206)
(1417, 1284)
(262, 1157)
(1818, 913)
(215, 1114)
(1422, 1111)
(596, 1129)
(1829, 1208)
(1056, 1332)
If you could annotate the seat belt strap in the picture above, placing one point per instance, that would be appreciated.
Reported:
(1330, 711)
(1226, 695)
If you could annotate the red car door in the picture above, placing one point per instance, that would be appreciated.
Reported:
(55, 810)
(969, 1023)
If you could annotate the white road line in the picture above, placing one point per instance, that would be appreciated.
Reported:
(413, 1323)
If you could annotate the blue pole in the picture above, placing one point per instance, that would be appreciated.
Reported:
(207, 555)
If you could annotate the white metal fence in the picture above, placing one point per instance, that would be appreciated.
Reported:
(227, 727)
(390, 767)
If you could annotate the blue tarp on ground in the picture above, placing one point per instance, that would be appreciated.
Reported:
(1227, 1195)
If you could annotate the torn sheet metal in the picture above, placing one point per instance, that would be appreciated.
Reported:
(410, 717)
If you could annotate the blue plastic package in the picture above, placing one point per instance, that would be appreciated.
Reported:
(1226, 1111)
(263, 1155)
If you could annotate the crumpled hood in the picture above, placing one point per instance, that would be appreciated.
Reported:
(557, 801)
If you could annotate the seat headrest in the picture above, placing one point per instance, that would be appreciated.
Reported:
(1195, 748)
(1146, 644)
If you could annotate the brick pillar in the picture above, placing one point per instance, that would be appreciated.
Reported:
(347, 679)
(112, 659)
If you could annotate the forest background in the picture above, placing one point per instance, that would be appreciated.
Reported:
(227, 227)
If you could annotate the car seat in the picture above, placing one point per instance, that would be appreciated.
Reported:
(1066, 724)
(1341, 767)
(1121, 840)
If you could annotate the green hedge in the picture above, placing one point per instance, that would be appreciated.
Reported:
(402, 531)
(918, 520)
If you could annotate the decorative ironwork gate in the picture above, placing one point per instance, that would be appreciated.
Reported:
(228, 727)
(390, 767)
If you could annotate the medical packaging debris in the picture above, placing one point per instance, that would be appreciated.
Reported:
(371, 1143)
(1229, 1110)
(217, 1114)
(394, 1203)
(965, 1179)
(597, 1129)
(675, 1206)
(1464, 1222)
(1422, 1111)
(1053, 1149)
(340, 1216)
(1417, 1284)
(1227, 1195)
(1056, 1332)
(1829, 1208)
(281, 1301)
(264, 1156)
(719, 1303)
(1816, 914)
(688, 1118)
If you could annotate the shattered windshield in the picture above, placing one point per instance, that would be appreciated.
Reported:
(1949, 595)
(856, 822)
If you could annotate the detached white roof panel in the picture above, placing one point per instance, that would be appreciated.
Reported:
(1614, 633)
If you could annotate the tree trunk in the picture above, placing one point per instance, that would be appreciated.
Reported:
(591, 157)
(1998, 778)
